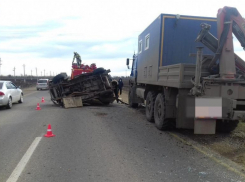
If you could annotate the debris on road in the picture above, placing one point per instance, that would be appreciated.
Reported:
(89, 87)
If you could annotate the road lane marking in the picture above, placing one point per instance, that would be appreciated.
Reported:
(21, 165)
(30, 93)
(227, 166)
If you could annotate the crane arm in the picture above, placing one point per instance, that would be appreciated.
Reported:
(232, 16)
(229, 20)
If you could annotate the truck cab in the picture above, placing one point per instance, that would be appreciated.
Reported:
(133, 73)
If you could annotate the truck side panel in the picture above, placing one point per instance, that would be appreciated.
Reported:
(148, 58)
(179, 38)
(170, 42)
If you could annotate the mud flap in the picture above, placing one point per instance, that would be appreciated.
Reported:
(204, 126)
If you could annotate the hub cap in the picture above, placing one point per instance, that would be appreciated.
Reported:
(10, 103)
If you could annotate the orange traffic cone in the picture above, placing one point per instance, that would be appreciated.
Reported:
(43, 100)
(49, 132)
(38, 107)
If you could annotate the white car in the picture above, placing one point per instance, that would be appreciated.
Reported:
(10, 94)
(42, 84)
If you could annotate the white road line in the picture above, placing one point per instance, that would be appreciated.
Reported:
(21, 165)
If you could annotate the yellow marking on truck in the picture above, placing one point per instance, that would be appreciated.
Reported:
(186, 18)
(206, 154)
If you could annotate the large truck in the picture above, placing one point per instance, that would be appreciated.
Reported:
(184, 84)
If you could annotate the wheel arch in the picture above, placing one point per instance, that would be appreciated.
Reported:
(155, 88)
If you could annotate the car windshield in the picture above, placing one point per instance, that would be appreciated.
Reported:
(42, 81)
(1, 85)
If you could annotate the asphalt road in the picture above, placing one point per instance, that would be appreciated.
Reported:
(95, 143)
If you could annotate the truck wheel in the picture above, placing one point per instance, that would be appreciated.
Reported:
(58, 78)
(149, 108)
(130, 100)
(160, 112)
(98, 71)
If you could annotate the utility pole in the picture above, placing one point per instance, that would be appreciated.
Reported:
(36, 71)
(41, 74)
(44, 73)
(0, 66)
(24, 66)
(14, 74)
(31, 74)
(50, 73)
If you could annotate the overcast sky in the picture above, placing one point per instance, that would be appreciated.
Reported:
(45, 33)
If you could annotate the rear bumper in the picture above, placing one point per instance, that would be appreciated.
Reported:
(238, 115)
(214, 108)
(42, 87)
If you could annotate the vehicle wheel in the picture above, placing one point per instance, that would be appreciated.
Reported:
(59, 78)
(10, 104)
(130, 99)
(98, 71)
(37, 89)
(160, 113)
(21, 98)
(149, 108)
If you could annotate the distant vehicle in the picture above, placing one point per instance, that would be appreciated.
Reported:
(42, 84)
(9, 94)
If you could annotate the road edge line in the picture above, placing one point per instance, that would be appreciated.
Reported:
(24, 160)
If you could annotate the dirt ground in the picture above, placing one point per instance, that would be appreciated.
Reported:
(29, 90)
(124, 96)
(230, 145)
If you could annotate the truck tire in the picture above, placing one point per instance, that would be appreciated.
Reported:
(98, 71)
(160, 113)
(130, 99)
(149, 108)
(104, 96)
(58, 78)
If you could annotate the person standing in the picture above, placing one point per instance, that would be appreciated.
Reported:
(120, 85)
(115, 88)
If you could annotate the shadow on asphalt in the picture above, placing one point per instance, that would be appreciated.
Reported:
(3, 108)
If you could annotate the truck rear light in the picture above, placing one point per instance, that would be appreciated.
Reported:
(1, 94)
